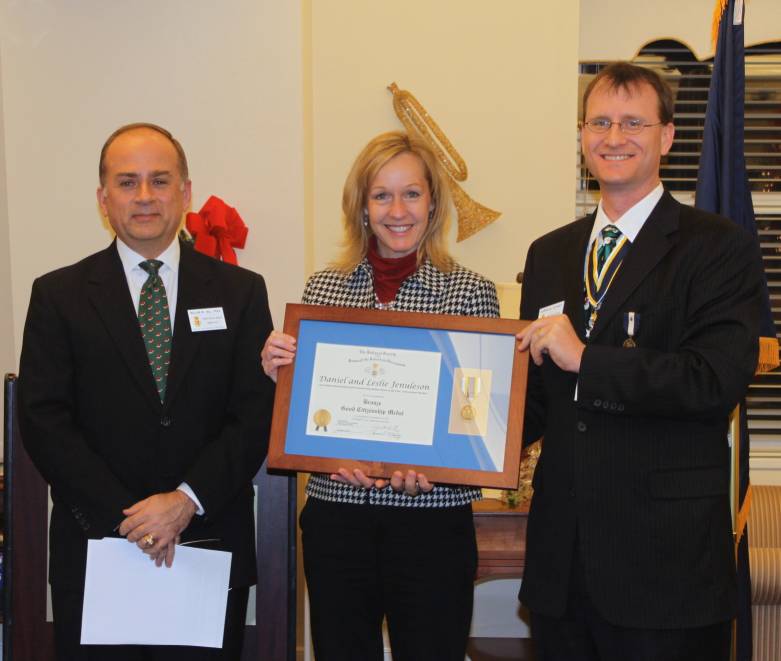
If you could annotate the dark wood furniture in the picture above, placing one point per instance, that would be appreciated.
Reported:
(26, 633)
(501, 538)
(501, 548)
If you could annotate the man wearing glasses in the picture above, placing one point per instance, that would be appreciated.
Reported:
(645, 337)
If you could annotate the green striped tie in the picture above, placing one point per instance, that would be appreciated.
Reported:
(155, 321)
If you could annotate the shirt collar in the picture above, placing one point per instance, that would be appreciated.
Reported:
(633, 219)
(131, 259)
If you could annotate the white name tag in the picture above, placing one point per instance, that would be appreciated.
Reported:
(206, 319)
(551, 310)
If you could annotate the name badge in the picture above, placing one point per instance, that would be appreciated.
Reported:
(206, 319)
(551, 310)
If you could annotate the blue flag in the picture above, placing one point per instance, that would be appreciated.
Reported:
(723, 188)
(722, 180)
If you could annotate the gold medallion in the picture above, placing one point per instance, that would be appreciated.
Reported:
(321, 418)
(629, 343)
(470, 388)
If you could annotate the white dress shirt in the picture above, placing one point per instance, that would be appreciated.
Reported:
(631, 222)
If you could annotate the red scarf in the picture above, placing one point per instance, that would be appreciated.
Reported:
(389, 272)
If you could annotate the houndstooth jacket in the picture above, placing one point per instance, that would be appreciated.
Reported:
(460, 292)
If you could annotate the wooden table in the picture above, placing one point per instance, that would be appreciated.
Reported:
(501, 538)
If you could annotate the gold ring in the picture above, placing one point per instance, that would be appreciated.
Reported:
(148, 539)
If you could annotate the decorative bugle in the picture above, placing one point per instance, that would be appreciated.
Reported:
(472, 216)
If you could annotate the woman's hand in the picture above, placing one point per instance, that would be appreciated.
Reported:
(356, 478)
(413, 484)
(279, 349)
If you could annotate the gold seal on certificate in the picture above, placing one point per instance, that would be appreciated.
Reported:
(321, 418)
(470, 401)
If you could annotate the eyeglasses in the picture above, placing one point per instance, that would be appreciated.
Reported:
(631, 125)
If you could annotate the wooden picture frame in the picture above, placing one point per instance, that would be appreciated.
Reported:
(386, 391)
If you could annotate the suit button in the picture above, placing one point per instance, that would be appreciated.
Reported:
(582, 426)
(613, 406)
(620, 407)
(597, 403)
(165, 421)
(606, 405)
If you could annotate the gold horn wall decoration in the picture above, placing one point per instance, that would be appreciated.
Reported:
(472, 216)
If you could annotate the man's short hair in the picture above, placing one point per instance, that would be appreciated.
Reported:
(181, 158)
(625, 76)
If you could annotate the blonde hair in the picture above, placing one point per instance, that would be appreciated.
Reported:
(369, 162)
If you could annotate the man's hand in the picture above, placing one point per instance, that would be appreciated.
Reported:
(279, 349)
(159, 519)
(166, 554)
(555, 337)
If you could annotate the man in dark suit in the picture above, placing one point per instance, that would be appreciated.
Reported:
(142, 402)
(645, 337)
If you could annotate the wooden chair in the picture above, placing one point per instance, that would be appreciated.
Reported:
(764, 539)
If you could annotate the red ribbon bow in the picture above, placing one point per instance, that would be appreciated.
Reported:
(217, 229)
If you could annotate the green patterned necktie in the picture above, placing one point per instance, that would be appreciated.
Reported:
(610, 235)
(155, 321)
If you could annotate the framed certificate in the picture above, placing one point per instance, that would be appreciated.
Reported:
(383, 391)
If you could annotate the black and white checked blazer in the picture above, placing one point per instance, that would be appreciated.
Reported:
(460, 292)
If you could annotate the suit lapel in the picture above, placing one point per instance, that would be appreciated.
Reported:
(195, 290)
(650, 246)
(109, 294)
(572, 265)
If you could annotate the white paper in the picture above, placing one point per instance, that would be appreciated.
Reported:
(374, 394)
(128, 600)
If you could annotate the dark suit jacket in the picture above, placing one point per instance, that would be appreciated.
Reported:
(93, 423)
(637, 469)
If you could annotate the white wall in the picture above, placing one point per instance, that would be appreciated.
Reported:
(616, 29)
(225, 77)
(272, 100)
(477, 69)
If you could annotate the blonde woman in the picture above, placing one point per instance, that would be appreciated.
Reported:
(404, 548)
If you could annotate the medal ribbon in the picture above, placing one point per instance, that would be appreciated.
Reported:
(603, 264)
(597, 283)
